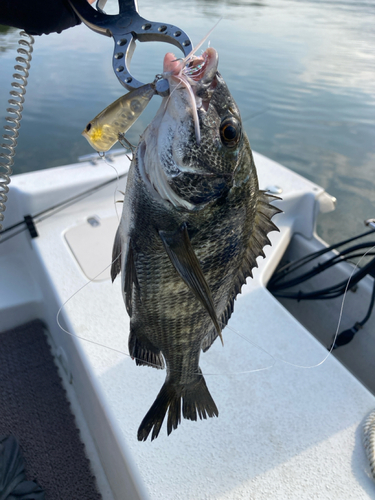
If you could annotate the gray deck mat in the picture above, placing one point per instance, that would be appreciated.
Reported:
(34, 408)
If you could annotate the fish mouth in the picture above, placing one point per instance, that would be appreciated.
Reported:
(195, 69)
(197, 76)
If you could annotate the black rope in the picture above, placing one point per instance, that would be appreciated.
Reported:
(330, 292)
(320, 267)
(277, 289)
(293, 266)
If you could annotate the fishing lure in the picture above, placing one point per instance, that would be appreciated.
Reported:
(109, 126)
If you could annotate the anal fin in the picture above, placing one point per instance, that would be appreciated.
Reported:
(182, 255)
(209, 339)
(144, 352)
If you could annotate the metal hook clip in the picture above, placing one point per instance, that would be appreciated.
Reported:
(125, 28)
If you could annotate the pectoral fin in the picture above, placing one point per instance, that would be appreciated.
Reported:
(116, 256)
(182, 256)
(130, 278)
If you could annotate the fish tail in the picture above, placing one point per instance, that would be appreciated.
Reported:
(195, 398)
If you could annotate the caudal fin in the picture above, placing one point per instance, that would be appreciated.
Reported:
(195, 398)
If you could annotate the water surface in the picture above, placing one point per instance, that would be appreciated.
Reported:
(301, 71)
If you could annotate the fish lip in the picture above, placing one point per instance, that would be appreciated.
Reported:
(202, 69)
(210, 68)
(197, 70)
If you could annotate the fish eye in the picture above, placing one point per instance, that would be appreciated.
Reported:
(88, 127)
(230, 132)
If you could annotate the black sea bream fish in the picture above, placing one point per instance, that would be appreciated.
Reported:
(194, 221)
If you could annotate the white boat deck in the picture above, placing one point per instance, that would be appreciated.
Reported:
(283, 431)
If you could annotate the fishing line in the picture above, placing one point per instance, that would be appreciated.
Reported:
(277, 358)
(52, 210)
(78, 336)
(119, 351)
(339, 320)
(257, 113)
(255, 370)
(103, 158)
(183, 81)
(193, 51)
(254, 345)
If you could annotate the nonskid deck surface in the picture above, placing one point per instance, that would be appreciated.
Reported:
(33, 408)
